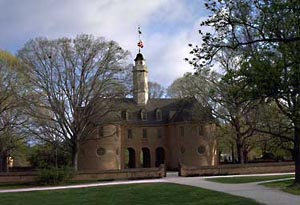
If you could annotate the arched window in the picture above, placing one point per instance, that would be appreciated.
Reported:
(158, 115)
(145, 157)
(130, 157)
(143, 115)
(124, 115)
(159, 156)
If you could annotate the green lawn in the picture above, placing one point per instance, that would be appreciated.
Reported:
(141, 194)
(15, 186)
(240, 180)
(286, 186)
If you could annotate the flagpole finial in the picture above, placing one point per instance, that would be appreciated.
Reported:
(140, 43)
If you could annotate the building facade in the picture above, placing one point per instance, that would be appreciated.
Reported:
(150, 132)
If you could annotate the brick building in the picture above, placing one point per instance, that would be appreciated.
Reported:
(150, 132)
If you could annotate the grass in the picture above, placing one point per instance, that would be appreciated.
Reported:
(286, 186)
(248, 179)
(15, 186)
(142, 194)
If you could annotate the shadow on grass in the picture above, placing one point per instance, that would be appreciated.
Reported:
(142, 194)
(247, 179)
(286, 186)
(35, 184)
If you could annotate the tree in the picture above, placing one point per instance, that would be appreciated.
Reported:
(198, 85)
(156, 90)
(181, 87)
(11, 116)
(237, 110)
(223, 93)
(46, 155)
(277, 129)
(74, 81)
(271, 51)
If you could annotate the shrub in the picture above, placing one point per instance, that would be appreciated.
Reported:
(46, 155)
(53, 175)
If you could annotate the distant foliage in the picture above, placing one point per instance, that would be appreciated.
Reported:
(156, 90)
(46, 156)
(53, 175)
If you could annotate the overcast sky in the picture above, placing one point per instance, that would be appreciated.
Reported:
(168, 26)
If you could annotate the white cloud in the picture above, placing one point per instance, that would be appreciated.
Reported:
(167, 53)
(165, 59)
(55, 18)
(167, 27)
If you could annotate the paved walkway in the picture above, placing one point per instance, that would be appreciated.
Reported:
(254, 191)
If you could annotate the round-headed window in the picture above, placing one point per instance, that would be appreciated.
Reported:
(124, 115)
(143, 115)
(201, 149)
(100, 151)
(158, 115)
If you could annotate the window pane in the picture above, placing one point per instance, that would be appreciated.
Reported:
(158, 115)
(144, 133)
(181, 131)
(129, 133)
(159, 132)
(200, 130)
(100, 131)
(143, 115)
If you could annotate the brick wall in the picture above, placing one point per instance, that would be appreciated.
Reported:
(237, 169)
(140, 173)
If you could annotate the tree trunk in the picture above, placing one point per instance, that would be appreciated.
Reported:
(239, 148)
(297, 153)
(75, 156)
(232, 153)
(245, 155)
(3, 163)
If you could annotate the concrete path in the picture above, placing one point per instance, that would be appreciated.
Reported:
(254, 191)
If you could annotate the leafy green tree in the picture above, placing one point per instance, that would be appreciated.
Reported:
(46, 155)
(11, 106)
(198, 85)
(236, 109)
(223, 93)
(73, 81)
(266, 34)
(277, 130)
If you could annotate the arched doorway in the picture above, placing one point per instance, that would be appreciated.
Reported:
(160, 156)
(145, 157)
(130, 158)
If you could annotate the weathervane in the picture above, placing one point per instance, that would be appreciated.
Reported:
(140, 43)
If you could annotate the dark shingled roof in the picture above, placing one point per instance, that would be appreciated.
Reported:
(139, 56)
(173, 110)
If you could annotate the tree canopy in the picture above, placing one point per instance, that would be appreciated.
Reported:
(11, 107)
(73, 80)
(266, 35)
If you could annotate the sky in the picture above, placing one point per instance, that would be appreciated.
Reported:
(167, 26)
